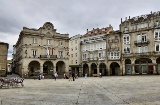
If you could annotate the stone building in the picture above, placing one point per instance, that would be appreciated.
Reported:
(113, 48)
(3, 58)
(141, 44)
(93, 50)
(75, 55)
(42, 51)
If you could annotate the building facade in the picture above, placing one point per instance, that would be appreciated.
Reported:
(75, 55)
(42, 51)
(113, 48)
(141, 44)
(93, 50)
(3, 58)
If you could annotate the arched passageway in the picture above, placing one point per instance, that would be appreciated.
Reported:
(34, 68)
(85, 69)
(114, 68)
(158, 65)
(128, 66)
(60, 68)
(93, 68)
(143, 66)
(102, 69)
(48, 67)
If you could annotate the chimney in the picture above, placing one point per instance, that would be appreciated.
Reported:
(129, 17)
(121, 20)
(93, 28)
(110, 25)
(151, 12)
(87, 30)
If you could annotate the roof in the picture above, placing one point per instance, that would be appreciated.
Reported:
(97, 31)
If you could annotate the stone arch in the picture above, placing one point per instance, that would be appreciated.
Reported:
(85, 69)
(34, 68)
(143, 66)
(128, 66)
(115, 68)
(48, 67)
(93, 68)
(60, 67)
(158, 64)
(102, 69)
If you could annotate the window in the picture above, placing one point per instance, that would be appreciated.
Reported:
(114, 55)
(34, 40)
(144, 38)
(141, 38)
(34, 53)
(126, 39)
(126, 50)
(76, 54)
(75, 41)
(60, 54)
(76, 48)
(139, 50)
(60, 43)
(157, 35)
(71, 55)
(48, 42)
(157, 47)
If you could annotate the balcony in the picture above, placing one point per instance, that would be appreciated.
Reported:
(48, 56)
(156, 53)
(126, 55)
(143, 54)
(93, 59)
(141, 42)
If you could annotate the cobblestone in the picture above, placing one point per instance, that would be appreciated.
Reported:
(120, 90)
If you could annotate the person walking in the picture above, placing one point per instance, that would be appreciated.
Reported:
(70, 76)
(55, 75)
(100, 74)
(73, 76)
(64, 76)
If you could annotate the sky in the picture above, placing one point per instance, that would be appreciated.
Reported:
(68, 16)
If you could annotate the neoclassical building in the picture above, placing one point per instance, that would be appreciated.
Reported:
(3, 58)
(141, 44)
(93, 50)
(41, 50)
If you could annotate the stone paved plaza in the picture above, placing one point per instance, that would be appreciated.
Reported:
(112, 90)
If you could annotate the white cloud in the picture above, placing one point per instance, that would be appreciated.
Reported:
(72, 16)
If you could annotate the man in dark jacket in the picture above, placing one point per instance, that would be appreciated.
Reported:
(73, 76)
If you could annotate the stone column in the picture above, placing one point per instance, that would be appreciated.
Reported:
(97, 70)
(154, 69)
(41, 69)
(89, 71)
(133, 69)
(121, 70)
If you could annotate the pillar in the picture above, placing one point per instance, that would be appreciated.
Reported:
(154, 69)
(97, 70)
(89, 70)
(133, 69)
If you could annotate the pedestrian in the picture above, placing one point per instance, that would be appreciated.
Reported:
(73, 76)
(70, 76)
(86, 75)
(55, 75)
(100, 74)
(76, 76)
(64, 76)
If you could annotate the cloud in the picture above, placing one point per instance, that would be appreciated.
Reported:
(71, 16)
